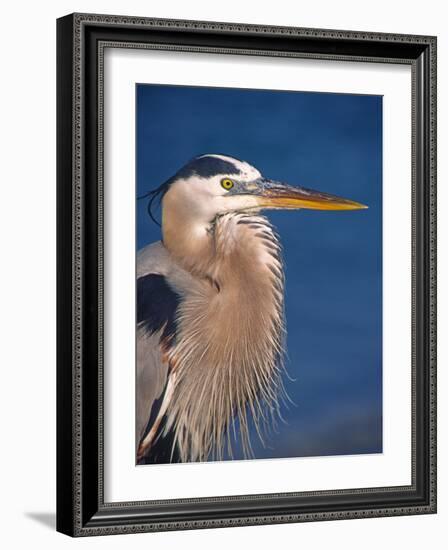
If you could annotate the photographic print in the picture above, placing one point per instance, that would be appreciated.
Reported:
(258, 274)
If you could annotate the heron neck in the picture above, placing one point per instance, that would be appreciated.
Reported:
(229, 335)
(190, 244)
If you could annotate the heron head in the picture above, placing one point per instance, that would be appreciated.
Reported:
(211, 185)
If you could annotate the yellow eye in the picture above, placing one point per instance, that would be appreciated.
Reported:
(227, 184)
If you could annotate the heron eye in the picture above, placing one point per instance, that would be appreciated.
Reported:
(227, 183)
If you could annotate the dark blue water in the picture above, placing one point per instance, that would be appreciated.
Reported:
(329, 142)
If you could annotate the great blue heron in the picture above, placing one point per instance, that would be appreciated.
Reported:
(210, 319)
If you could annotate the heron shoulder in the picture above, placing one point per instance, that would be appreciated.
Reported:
(153, 258)
(156, 259)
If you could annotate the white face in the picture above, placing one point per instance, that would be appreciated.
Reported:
(206, 197)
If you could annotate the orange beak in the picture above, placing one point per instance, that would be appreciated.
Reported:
(275, 195)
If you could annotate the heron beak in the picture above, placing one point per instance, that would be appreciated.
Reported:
(276, 195)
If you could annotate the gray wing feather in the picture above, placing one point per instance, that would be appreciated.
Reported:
(151, 378)
(156, 307)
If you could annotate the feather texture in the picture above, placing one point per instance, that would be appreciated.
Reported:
(228, 349)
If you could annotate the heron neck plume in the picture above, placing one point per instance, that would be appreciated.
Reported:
(227, 356)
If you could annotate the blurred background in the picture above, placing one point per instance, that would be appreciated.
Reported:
(328, 142)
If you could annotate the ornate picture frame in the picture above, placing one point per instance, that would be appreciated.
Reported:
(81, 43)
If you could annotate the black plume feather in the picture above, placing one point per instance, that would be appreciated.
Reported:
(154, 195)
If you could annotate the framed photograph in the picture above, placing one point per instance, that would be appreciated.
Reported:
(246, 274)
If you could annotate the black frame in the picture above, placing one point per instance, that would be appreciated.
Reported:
(81, 39)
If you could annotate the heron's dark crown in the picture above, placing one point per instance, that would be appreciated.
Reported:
(207, 166)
